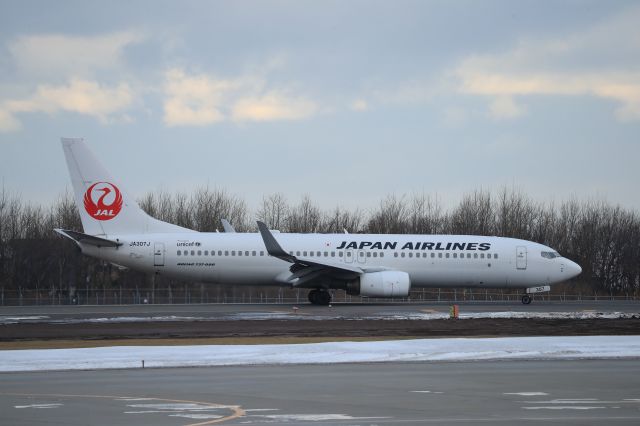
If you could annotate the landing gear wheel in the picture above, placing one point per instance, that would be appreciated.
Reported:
(313, 294)
(526, 299)
(319, 297)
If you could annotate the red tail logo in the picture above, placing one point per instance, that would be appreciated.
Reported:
(108, 204)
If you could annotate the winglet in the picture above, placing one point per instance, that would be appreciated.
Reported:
(227, 226)
(273, 248)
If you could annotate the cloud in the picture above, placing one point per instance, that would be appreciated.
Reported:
(79, 96)
(359, 105)
(194, 100)
(70, 55)
(503, 107)
(272, 106)
(581, 64)
(202, 99)
(8, 122)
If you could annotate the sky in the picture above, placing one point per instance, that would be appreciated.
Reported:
(344, 101)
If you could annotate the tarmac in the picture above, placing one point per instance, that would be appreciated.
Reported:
(61, 313)
(579, 392)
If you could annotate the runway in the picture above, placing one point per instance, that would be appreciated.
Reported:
(230, 312)
(461, 393)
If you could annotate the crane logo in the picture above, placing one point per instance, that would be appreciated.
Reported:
(108, 204)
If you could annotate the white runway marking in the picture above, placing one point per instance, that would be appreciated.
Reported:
(316, 417)
(177, 407)
(54, 405)
(196, 416)
(562, 407)
(527, 393)
(261, 409)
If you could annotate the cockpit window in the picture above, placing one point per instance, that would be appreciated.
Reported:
(550, 254)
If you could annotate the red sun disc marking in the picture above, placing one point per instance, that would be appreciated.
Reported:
(103, 201)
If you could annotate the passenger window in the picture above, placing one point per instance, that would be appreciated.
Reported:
(481, 255)
(239, 252)
(298, 253)
(368, 254)
(326, 254)
(261, 253)
(395, 254)
(193, 252)
(402, 254)
(206, 252)
(333, 254)
(348, 254)
(455, 255)
(253, 253)
(447, 255)
(199, 252)
(410, 254)
(468, 255)
(178, 252)
(233, 252)
(440, 255)
(375, 254)
(319, 254)
(495, 255)
(381, 254)
(339, 254)
(433, 255)
(475, 255)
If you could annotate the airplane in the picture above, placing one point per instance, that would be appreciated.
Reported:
(117, 230)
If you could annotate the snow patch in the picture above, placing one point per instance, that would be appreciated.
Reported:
(14, 319)
(453, 349)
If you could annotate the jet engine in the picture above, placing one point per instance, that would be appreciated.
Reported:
(381, 284)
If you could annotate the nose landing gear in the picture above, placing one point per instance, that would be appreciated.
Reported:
(319, 297)
(526, 299)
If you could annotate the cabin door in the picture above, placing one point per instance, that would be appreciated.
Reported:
(521, 257)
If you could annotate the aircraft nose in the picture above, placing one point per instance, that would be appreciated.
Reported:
(574, 269)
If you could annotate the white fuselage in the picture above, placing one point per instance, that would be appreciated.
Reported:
(430, 260)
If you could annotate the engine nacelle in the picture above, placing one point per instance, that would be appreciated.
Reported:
(381, 284)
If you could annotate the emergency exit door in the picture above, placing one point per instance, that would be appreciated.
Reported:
(158, 254)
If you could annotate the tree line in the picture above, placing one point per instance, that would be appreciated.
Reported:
(603, 238)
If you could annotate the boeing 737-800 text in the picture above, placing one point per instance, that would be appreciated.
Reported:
(117, 230)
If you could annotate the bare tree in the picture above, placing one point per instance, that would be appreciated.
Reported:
(274, 211)
(391, 218)
(305, 217)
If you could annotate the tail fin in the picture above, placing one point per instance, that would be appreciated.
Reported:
(105, 207)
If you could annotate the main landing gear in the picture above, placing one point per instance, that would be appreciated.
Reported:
(526, 299)
(319, 297)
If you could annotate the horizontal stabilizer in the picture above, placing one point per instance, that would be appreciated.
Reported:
(79, 237)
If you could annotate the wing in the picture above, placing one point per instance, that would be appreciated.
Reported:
(308, 272)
